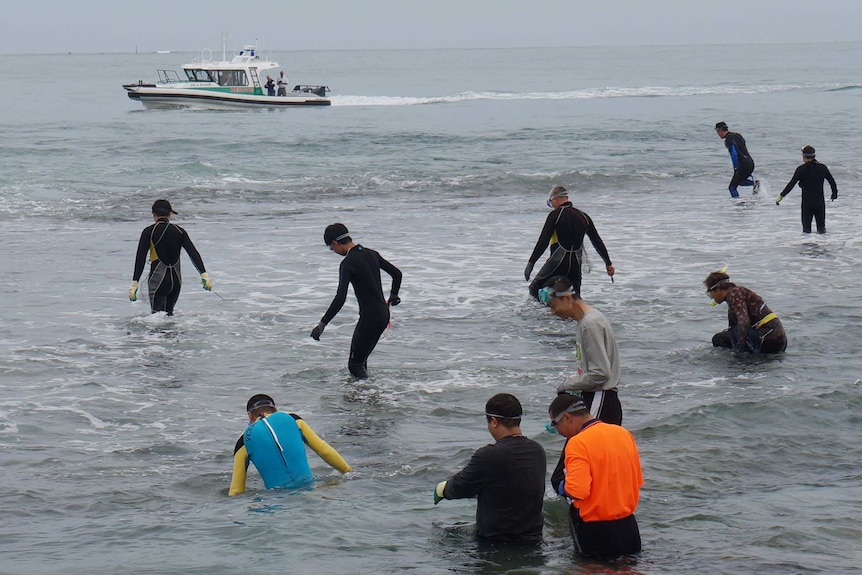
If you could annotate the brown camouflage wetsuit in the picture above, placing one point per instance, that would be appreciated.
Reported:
(744, 310)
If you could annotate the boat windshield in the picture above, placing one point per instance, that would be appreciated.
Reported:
(199, 76)
(231, 78)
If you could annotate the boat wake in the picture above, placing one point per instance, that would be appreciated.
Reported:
(583, 94)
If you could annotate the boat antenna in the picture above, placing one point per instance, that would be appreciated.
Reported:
(224, 46)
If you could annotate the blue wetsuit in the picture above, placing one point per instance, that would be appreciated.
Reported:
(275, 444)
(743, 163)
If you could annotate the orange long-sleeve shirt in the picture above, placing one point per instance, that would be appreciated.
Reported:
(603, 472)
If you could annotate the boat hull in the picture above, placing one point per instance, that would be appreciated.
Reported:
(154, 97)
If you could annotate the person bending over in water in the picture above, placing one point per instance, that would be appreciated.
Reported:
(361, 267)
(275, 442)
(752, 326)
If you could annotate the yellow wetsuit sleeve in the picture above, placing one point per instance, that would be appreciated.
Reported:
(321, 448)
(240, 465)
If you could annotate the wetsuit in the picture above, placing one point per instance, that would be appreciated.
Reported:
(507, 479)
(276, 446)
(743, 163)
(569, 225)
(752, 325)
(602, 482)
(361, 267)
(163, 240)
(810, 177)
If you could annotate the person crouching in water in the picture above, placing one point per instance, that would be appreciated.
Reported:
(752, 326)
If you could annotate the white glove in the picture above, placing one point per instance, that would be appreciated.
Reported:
(133, 291)
(438, 492)
(206, 282)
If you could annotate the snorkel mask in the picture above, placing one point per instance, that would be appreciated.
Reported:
(546, 294)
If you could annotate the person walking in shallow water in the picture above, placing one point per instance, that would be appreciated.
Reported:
(564, 230)
(743, 163)
(163, 242)
(810, 177)
(361, 268)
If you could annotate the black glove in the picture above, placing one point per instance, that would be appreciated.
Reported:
(394, 300)
(834, 196)
(318, 331)
(528, 270)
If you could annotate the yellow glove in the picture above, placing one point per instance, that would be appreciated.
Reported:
(206, 281)
(438, 492)
(133, 291)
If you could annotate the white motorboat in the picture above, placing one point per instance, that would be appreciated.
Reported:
(222, 84)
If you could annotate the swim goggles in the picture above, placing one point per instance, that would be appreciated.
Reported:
(546, 294)
(338, 239)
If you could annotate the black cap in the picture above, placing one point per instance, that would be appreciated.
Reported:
(335, 233)
(721, 126)
(258, 401)
(808, 151)
(162, 208)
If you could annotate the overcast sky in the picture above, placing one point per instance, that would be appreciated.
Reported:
(52, 26)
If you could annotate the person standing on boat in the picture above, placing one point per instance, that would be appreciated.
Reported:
(564, 230)
(282, 84)
(270, 86)
(163, 241)
(360, 267)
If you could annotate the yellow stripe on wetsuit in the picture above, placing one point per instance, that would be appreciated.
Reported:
(321, 448)
(766, 319)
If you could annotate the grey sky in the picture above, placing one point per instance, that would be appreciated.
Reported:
(40, 26)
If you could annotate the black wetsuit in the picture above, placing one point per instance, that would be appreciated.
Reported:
(570, 224)
(508, 480)
(361, 267)
(810, 177)
(164, 240)
(743, 163)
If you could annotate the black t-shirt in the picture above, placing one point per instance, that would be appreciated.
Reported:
(508, 481)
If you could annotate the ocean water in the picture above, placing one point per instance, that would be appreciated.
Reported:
(117, 427)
